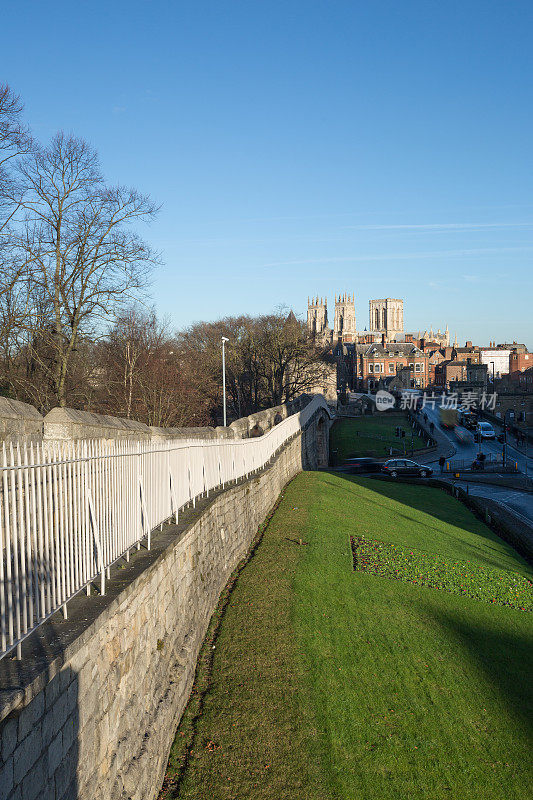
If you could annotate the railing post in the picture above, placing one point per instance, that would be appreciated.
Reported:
(173, 496)
(96, 535)
(144, 514)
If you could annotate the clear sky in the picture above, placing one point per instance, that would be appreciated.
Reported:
(300, 148)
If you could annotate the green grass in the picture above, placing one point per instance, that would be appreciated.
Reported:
(333, 684)
(347, 436)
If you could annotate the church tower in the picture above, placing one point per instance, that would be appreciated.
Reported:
(317, 317)
(344, 329)
(386, 317)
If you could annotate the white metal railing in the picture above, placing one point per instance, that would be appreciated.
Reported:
(70, 510)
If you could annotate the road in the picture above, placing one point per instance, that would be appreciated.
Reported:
(521, 503)
(468, 450)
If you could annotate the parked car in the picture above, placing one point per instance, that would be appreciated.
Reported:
(361, 465)
(402, 466)
(484, 431)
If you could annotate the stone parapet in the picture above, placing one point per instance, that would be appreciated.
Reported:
(19, 421)
(69, 424)
(158, 434)
(23, 421)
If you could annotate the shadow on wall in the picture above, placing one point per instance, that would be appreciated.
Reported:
(40, 743)
(315, 442)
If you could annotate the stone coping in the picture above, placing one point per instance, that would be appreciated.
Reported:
(16, 409)
(69, 423)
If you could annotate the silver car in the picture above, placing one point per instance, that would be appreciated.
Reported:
(484, 431)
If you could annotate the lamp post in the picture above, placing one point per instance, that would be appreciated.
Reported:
(505, 436)
(507, 410)
(224, 340)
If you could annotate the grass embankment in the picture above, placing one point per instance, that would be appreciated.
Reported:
(329, 683)
(355, 436)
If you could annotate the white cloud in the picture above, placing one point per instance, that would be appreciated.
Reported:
(477, 251)
(442, 226)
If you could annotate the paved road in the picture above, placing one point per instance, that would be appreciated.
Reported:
(521, 503)
(468, 450)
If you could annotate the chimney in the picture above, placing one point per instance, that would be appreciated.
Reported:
(422, 343)
(383, 339)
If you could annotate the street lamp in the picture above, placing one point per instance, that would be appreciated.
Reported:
(224, 340)
(507, 411)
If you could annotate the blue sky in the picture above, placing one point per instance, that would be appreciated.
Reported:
(305, 148)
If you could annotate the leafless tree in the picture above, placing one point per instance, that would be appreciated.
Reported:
(83, 258)
(15, 141)
(269, 360)
(142, 374)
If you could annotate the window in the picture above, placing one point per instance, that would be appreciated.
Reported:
(371, 368)
(419, 367)
(391, 367)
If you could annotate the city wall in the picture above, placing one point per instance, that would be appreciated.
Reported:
(90, 711)
(22, 422)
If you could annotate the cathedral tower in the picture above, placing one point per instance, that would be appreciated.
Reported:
(344, 329)
(386, 316)
(317, 317)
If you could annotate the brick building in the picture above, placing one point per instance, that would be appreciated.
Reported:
(375, 362)
(469, 353)
(517, 404)
(519, 362)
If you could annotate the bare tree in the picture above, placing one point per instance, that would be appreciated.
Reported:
(291, 364)
(143, 375)
(14, 142)
(269, 360)
(83, 258)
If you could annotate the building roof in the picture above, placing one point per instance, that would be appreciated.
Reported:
(389, 349)
(291, 318)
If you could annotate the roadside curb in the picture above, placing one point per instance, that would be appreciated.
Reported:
(477, 482)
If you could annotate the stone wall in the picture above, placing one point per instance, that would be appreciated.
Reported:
(70, 424)
(19, 421)
(91, 710)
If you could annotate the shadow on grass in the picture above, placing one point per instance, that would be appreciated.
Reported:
(435, 503)
(506, 659)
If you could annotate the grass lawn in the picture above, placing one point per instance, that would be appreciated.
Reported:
(347, 436)
(330, 683)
